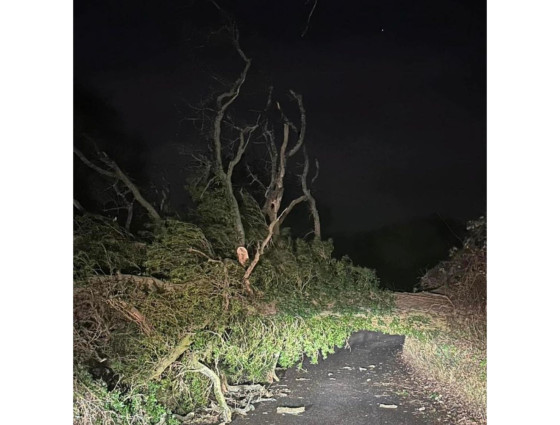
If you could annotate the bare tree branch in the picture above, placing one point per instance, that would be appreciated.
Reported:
(303, 124)
(275, 191)
(78, 206)
(223, 102)
(92, 165)
(262, 246)
(290, 207)
(116, 173)
(309, 197)
(255, 178)
(309, 19)
(316, 171)
(244, 138)
(133, 188)
(268, 134)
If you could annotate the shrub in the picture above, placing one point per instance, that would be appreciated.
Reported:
(101, 246)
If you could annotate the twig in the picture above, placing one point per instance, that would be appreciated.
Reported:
(309, 19)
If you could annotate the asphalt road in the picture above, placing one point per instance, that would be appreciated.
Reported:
(364, 384)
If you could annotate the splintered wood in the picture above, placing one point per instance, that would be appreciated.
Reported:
(242, 255)
(290, 410)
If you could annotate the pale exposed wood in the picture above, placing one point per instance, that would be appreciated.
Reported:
(217, 386)
(262, 246)
(183, 345)
(242, 255)
(290, 410)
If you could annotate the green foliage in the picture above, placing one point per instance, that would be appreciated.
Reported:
(136, 327)
(215, 216)
(253, 219)
(94, 403)
(102, 247)
(145, 325)
(250, 348)
(455, 356)
(178, 252)
(303, 277)
(308, 266)
(458, 366)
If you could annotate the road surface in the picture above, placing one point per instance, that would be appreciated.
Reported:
(366, 383)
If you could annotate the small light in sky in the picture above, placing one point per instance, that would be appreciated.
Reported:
(382, 30)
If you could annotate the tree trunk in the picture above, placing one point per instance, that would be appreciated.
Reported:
(223, 102)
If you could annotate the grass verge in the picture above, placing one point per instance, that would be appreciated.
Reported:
(456, 362)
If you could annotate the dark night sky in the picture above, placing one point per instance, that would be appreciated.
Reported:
(395, 91)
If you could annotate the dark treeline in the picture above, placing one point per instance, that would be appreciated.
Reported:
(402, 252)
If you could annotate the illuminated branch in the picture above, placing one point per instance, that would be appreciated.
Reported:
(309, 197)
(303, 124)
(262, 246)
(275, 192)
(279, 160)
(293, 127)
(223, 102)
(216, 384)
(196, 366)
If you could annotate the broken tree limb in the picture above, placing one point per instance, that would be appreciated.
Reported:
(243, 411)
(172, 356)
(290, 410)
(216, 384)
(183, 345)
